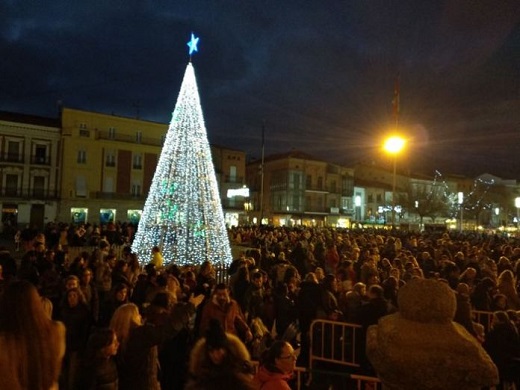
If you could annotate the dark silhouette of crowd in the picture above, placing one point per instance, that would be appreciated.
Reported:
(133, 326)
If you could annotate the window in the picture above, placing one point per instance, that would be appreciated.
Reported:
(111, 132)
(40, 154)
(39, 186)
(138, 137)
(308, 181)
(379, 198)
(82, 156)
(137, 161)
(13, 151)
(11, 185)
(333, 186)
(110, 160)
(370, 198)
(81, 186)
(136, 190)
(320, 182)
(83, 131)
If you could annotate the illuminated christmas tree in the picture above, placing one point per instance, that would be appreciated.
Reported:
(183, 214)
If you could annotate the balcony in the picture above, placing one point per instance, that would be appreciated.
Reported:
(130, 138)
(316, 189)
(116, 196)
(29, 194)
(12, 158)
(41, 160)
(233, 179)
(316, 209)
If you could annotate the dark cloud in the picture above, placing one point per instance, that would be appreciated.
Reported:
(320, 75)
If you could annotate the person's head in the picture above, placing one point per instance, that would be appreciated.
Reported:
(257, 279)
(125, 318)
(103, 343)
(311, 277)
(506, 276)
(71, 282)
(279, 357)
(320, 274)
(74, 297)
(360, 289)
(221, 294)
(121, 292)
(375, 291)
(500, 302)
(330, 283)
(216, 342)
(86, 276)
(500, 318)
(173, 285)
(463, 289)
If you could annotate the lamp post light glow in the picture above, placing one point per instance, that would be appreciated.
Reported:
(460, 201)
(393, 146)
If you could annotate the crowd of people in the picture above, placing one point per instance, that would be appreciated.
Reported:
(103, 320)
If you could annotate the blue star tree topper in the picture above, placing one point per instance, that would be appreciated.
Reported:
(192, 44)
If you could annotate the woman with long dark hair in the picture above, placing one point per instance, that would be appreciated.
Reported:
(31, 344)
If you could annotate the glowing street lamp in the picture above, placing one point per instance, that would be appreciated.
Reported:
(393, 146)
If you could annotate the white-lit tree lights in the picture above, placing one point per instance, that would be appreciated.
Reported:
(183, 214)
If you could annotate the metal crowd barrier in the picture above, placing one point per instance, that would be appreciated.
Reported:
(359, 381)
(484, 318)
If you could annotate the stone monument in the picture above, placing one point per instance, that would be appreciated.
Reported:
(420, 347)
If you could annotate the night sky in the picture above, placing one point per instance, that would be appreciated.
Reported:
(320, 74)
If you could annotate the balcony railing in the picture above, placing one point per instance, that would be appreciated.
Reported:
(102, 134)
(233, 179)
(116, 196)
(41, 160)
(29, 193)
(12, 158)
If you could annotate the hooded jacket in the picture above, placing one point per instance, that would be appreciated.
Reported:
(267, 380)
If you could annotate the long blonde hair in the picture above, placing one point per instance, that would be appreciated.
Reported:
(31, 338)
(124, 319)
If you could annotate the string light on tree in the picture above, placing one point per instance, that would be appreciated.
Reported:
(183, 213)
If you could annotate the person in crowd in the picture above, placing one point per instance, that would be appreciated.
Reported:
(77, 319)
(463, 314)
(353, 301)
(32, 346)
(285, 311)
(253, 302)
(227, 311)
(506, 284)
(502, 343)
(219, 361)
(137, 358)
(157, 258)
(482, 297)
(329, 308)
(103, 277)
(99, 370)
(90, 293)
(276, 367)
(118, 296)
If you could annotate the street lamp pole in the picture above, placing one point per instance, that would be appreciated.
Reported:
(517, 205)
(394, 145)
(460, 196)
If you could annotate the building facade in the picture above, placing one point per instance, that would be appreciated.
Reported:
(29, 170)
(297, 189)
(109, 163)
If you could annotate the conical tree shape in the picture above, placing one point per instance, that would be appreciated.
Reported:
(183, 214)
